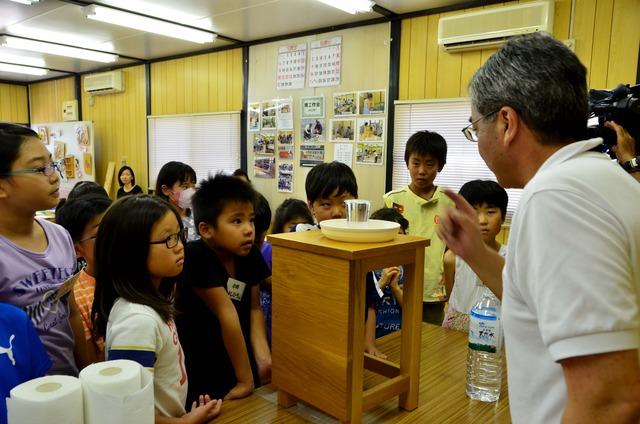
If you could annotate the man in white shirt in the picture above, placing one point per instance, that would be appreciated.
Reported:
(571, 282)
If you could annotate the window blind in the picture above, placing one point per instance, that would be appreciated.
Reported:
(209, 143)
(447, 118)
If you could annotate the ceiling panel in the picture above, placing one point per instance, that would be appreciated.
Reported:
(407, 6)
(8, 76)
(245, 20)
(271, 18)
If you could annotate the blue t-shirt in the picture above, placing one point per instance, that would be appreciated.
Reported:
(388, 311)
(22, 355)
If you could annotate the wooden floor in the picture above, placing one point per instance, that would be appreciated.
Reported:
(442, 391)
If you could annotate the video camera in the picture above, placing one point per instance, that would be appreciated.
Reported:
(621, 105)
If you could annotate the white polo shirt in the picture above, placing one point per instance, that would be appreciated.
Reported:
(572, 275)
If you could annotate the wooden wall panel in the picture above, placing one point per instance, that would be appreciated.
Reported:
(46, 99)
(13, 103)
(120, 127)
(606, 33)
(205, 83)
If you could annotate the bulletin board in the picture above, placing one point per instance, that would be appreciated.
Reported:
(72, 145)
(292, 130)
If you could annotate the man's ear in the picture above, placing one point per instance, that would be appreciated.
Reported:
(509, 123)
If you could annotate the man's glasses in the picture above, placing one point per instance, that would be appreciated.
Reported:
(470, 132)
(172, 240)
(47, 170)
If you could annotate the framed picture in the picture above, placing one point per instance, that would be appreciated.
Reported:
(371, 129)
(311, 155)
(264, 167)
(268, 115)
(371, 102)
(285, 136)
(312, 130)
(254, 117)
(312, 107)
(342, 129)
(345, 104)
(369, 153)
(264, 143)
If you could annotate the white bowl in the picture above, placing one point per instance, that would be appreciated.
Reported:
(372, 231)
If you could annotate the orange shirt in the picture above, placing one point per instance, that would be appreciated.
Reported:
(83, 291)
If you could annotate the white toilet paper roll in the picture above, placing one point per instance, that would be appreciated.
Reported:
(119, 391)
(49, 399)
(118, 378)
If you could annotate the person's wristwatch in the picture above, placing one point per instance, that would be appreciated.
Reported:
(632, 165)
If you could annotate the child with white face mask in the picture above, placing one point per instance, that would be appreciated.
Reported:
(176, 183)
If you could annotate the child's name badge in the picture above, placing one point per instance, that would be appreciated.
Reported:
(235, 289)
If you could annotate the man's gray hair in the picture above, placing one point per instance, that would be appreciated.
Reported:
(542, 80)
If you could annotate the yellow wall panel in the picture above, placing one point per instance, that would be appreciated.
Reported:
(46, 99)
(601, 40)
(13, 103)
(119, 121)
(607, 35)
(625, 39)
(197, 84)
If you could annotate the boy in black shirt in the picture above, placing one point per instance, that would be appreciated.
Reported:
(221, 325)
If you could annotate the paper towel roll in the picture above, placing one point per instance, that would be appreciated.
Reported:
(49, 399)
(119, 378)
(119, 391)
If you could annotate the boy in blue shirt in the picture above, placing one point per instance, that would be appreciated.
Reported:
(22, 355)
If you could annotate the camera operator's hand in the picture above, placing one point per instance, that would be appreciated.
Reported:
(625, 148)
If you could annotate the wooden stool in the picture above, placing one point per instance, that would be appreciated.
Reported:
(318, 322)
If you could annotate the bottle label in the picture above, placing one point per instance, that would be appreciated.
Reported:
(484, 334)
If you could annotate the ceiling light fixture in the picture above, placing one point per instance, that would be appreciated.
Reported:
(29, 2)
(350, 6)
(22, 60)
(56, 49)
(17, 69)
(147, 24)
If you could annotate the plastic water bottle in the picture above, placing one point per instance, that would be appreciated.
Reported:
(484, 361)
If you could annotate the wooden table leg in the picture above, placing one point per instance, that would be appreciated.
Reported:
(411, 335)
(286, 400)
(357, 280)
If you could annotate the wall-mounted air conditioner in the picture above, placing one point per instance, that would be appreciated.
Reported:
(104, 83)
(492, 27)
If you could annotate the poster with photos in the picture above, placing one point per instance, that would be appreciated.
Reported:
(342, 130)
(264, 167)
(254, 116)
(311, 155)
(285, 136)
(369, 153)
(371, 129)
(284, 114)
(285, 151)
(264, 143)
(371, 102)
(345, 104)
(285, 177)
(325, 62)
(292, 67)
(312, 107)
(268, 120)
(312, 130)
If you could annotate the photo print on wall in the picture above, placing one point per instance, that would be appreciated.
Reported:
(345, 104)
(372, 102)
(343, 130)
(312, 130)
(371, 129)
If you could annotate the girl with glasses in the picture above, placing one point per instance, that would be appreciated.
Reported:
(139, 251)
(37, 255)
